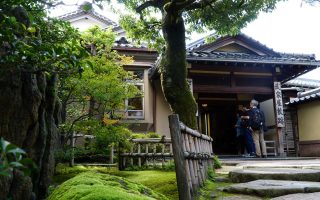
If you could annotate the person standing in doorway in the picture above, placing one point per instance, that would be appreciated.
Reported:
(244, 129)
(256, 123)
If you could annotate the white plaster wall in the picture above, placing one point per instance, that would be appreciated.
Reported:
(162, 113)
(84, 22)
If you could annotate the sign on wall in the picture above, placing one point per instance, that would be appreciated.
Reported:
(279, 104)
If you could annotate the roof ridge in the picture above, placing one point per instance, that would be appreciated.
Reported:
(90, 12)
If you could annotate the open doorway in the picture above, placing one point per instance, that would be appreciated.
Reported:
(217, 118)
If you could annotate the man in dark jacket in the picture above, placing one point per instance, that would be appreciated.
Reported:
(256, 127)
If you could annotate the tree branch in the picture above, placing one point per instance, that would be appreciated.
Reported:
(200, 5)
(145, 5)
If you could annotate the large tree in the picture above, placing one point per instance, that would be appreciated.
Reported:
(222, 16)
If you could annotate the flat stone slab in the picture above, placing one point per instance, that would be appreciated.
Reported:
(241, 197)
(299, 196)
(273, 188)
(294, 174)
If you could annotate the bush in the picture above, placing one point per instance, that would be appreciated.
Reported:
(211, 174)
(216, 162)
(145, 135)
(12, 157)
(111, 135)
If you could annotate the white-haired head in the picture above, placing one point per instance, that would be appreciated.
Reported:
(254, 102)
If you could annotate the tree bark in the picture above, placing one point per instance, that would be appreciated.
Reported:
(29, 119)
(174, 71)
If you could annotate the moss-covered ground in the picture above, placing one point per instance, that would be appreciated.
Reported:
(98, 186)
(162, 182)
(159, 182)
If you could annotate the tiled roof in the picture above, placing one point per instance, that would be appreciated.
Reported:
(304, 99)
(201, 43)
(124, 43)
(294, 59)
(303, 82)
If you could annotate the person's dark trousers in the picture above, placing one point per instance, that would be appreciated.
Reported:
(249, 142)
(241, 144)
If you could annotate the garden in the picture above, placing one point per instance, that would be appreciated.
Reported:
(64, 92)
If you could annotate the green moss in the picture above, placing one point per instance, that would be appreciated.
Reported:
(213, 187)
(163, 182)
(98, 186)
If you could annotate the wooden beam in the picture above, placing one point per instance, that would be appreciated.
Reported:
(208, 72)
(237, 89)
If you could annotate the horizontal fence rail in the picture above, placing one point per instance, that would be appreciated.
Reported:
(193, 156)
(148, 151)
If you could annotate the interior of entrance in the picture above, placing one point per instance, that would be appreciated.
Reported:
(217, 118)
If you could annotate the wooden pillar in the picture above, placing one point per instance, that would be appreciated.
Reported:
(279, 117)
(179, 159)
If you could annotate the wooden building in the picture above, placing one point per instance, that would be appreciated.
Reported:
(303, 110)
(224, 73)
(231, 71)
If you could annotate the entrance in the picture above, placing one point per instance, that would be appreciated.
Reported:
(218, 116)
(219, 122)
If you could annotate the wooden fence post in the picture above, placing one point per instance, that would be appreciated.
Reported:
(111, 154)
(179, 159)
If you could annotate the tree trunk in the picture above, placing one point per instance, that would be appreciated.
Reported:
(174, 71)
(29, 117)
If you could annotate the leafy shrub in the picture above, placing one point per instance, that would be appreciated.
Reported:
(145, 135)
(211, 174)
(12, 157)
(216, 162)
(168, 166)
(112, 135)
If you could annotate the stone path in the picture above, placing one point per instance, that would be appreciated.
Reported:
(273, 188)
(290, 176)
(251, 174)
(300, 196)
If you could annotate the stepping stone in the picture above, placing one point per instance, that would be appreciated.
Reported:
(273, 188)
(241, 197)
(294, 174)
(299, 196)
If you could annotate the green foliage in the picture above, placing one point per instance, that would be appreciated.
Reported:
(94, 102)
(216, 162)
(136, 29)
(109, 135)
(34, 42)
(145, 135)
(168, 166)
(12, 157)
(223, 17)
(211, 174)
(93, 185)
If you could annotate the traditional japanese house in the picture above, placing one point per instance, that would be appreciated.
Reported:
(222, 74)
(231, 71)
